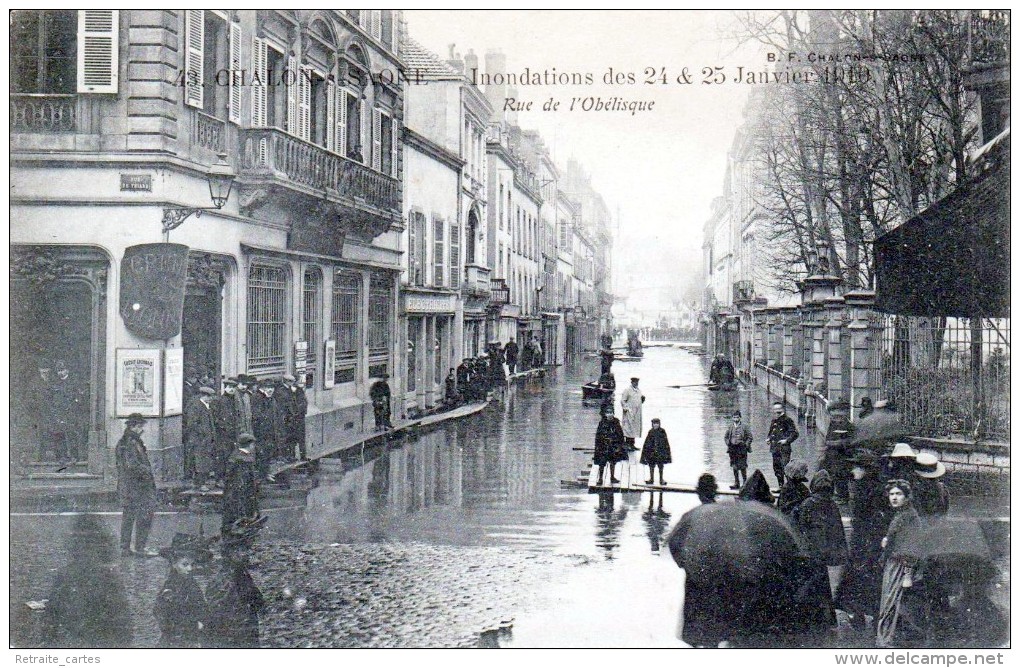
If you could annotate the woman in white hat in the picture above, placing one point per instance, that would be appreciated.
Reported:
(930, 494)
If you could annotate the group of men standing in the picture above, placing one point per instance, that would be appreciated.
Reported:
(518, 358)
(270, 410)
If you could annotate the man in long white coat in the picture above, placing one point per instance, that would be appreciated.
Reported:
(631, 401)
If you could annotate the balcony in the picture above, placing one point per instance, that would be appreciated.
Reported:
(476, 281)
(499, 292)
(283, 177)
(743, 292)
(31, 113)
(208, 132)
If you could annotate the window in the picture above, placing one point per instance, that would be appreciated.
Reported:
(500, 206)
(387, 145)
(346, 302)
(267, 318)
(215, 59)
(320, 115)
(44, 51)
(416, 248)
(438, 256)
(311, 316)
(276, 108)
(380, 299)
(455, 269)
(355, 150)
(387, 28)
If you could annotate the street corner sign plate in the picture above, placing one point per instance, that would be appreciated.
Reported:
(152, 282)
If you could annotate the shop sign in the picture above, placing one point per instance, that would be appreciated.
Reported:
(152, 282)
(300, 361)
(416, 303)
(138, 382)
(173, 381)
(329, 364)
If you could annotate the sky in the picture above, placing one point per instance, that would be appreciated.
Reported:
(659, 168)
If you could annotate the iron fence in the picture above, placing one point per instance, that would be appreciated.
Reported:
(948, 377)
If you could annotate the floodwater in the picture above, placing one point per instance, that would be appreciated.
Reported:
(465, 534)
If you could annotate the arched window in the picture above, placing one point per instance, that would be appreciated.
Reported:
(267, 317)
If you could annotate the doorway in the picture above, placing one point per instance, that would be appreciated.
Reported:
(202, 320)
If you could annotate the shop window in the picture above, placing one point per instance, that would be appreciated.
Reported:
(413, 331)
(267, 318)
(346, 305)
(380, 319)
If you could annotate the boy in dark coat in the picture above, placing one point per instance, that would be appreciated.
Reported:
(738, 443)
(610, 446)
(656, 452)
(180, 606)
(240, 490)
(136, 486)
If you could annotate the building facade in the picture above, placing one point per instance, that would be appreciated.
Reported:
(119, 122)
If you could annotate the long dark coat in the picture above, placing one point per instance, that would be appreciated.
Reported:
(235, 602)
(860, 590)
(296, 403)
(269, 421)
(135, 483)
(819, 521)
(224, 414)
(930, 497)
(240, 489)
(199, 437)
(656, 448)
(792, 494)
(610, 446)
(180, 606)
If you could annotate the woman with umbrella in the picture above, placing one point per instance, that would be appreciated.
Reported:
(609, 444)
(860, 591)
(899, 561)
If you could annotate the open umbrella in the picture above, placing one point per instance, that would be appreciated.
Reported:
(733, 539)
(877, 429)
(744, 563)
(957, 547)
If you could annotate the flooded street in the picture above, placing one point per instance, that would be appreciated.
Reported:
(464, 535)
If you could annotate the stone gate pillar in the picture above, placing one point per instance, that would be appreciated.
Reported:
(834, 309)
(865, 348)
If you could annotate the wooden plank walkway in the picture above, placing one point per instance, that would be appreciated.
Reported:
(631, 479)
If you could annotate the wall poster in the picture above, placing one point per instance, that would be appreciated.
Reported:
(329, 364)
(173, 381)
(138, 382)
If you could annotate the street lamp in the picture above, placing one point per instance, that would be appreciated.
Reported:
(221, 180)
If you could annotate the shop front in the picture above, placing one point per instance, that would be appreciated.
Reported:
(431, 347)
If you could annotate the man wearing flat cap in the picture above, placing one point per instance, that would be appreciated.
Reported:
(136, 486)
(630, 402)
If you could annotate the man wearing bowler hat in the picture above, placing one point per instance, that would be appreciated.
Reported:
(136, 486)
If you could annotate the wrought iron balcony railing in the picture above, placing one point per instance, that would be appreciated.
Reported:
(500, 292)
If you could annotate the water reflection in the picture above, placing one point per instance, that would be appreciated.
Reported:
(656, 520)
(608, 522)
(494, 478)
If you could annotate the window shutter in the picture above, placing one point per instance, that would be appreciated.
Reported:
(437, 259)
(393, 146)
(363, 130)
(341, 122)
(235, 70)
(304, 103)
(194, 59)
(331, 133)
(260, 58)
(455, 269)
(376, 140)
(412, 247)
(98, 40)
(376, 26)
(293, 124)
